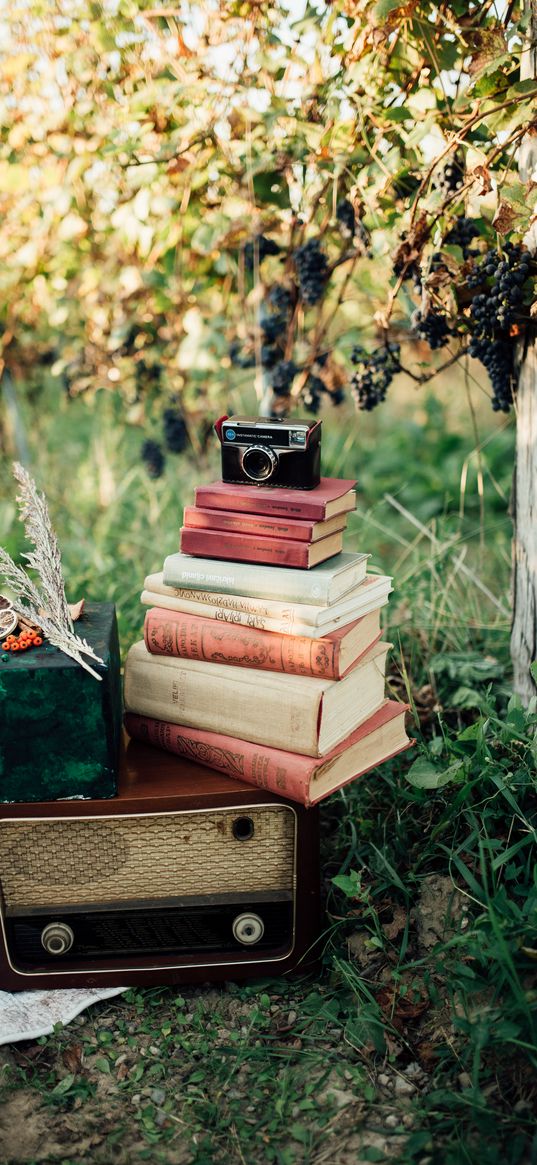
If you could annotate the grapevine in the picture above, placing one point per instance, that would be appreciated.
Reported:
(374, 374)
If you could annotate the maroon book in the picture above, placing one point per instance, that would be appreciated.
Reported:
(264, 525)
(333, 495)
(249, 548)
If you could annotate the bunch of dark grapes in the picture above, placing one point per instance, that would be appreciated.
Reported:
(270, 354)
(496, 356)
(239, 357)
(280, 299)
(346, 218)
(175, 430)
(259, 247)
(462, 234)
(432, 327)
(282, 377)
(275, 314)
(153, 458)
(374, 374)
(312, 271)
(311, 394)
(492, 314)
(450, 178)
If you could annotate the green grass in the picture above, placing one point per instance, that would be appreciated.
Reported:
(418, 1040)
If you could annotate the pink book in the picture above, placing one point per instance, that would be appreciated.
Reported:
(299, 778)
(333, 495)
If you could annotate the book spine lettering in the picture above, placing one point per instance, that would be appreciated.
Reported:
(269, 584)
(266, 768)
(263, 524)
(191, 637)
(288, 625)
(288, 613)
(249, 503)
(264, 714)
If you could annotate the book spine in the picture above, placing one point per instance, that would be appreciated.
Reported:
(235, 579)
(195, 697)
(192, 637)
(266, 768)
(257, 524)
(255, 610)
(288, 624)
(249, 503)
(244, 548)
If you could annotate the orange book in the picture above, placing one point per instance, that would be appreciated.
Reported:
(169, 632)
(300, 778)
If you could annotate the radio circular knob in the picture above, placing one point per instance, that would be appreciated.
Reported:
(57, 938)
(248, 929)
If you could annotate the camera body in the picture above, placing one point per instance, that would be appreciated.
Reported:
(272, 452)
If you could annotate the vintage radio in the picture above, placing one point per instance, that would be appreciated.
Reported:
(186, 876)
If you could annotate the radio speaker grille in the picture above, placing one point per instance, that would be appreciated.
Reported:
(155, 856)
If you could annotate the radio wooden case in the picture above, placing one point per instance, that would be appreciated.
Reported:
(186, 876)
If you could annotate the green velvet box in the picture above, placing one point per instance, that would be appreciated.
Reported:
(59, 726)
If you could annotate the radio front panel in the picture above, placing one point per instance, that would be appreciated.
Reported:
(187, 876)
(117, 859)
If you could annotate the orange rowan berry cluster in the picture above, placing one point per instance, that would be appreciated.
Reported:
(23, 641)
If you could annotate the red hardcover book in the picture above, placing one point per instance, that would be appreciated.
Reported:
(250, 548)
(333, 495)
(195, 637)
(265, 525)
(300, 778)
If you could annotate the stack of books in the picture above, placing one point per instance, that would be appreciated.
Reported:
(272, 675)
(300, 530)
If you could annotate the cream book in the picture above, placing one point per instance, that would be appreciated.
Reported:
(302, 714)
(268, 614)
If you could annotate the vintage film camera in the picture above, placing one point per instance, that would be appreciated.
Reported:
(187, 876)
(271, 452)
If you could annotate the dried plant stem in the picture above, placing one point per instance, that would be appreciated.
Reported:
(45, 605)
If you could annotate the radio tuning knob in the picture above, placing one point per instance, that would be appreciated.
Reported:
(248, 929)
(57, 938)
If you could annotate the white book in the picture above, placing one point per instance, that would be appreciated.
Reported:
(322, 585)
(267, 614)
(301, 714)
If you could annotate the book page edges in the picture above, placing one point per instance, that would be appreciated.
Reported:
(318, 790)
(342, 697)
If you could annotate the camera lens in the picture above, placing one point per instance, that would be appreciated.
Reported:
(258, 463)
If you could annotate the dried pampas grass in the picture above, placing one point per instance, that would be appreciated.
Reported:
(44, 604)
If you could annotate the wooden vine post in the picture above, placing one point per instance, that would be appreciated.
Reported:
(524, 626)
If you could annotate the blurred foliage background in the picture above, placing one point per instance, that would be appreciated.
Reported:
(255, 206)
(163, 172)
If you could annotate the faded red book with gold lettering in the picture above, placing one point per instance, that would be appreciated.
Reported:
(169, 632)
(238, 547)
(299, 778)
